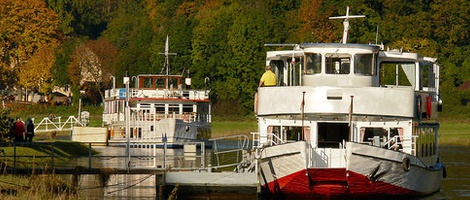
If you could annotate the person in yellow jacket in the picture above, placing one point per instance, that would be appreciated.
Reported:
(268, 78)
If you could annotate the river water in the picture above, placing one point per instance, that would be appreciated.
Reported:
(455, 186)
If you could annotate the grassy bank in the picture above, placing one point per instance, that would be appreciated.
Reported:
(225, 128)
(454, 133)
(37, 155)
(39, 111)
(454, 130)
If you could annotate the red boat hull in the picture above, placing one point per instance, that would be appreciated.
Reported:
(331, 182)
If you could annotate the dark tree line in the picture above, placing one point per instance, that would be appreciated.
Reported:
(223, 39)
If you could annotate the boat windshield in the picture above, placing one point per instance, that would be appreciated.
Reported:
(338, 63)
(364, 64)
(313, 63)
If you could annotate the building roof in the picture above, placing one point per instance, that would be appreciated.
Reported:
(464, 86)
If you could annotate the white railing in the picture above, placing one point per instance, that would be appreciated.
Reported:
(158, 93)
(240, 150)
(269, 139)
(158, 155)
(50, 124)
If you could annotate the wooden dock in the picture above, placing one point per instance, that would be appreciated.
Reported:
(191, 172)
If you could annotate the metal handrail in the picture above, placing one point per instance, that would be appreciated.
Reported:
(57, 125)
(242, 145)
(257, 139)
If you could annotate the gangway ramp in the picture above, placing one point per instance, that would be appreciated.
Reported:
(51, 124)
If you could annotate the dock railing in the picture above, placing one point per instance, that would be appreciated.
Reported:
(238, 153)
(259, 140)
(142, 156)
(49, 124)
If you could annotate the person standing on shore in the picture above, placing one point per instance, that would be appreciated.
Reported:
(19, 130)
(29, 130)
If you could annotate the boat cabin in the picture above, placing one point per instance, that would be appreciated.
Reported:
(353, 92)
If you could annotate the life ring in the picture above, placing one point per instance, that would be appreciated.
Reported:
(406, 164)
(428, 106)
(418, 107)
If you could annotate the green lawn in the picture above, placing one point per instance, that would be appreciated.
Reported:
(226, 128)
(38, 154)
(454, 133)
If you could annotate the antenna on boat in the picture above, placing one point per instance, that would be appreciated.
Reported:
(377, 34)
(346, 23)
(167, 60)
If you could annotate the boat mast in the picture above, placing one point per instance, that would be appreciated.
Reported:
(167, 61)
(346, 23)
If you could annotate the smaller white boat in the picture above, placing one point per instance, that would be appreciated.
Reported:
(161, 108)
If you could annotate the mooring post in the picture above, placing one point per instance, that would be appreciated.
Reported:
(89, 155)
(14, 157)
(162, 186)
(159, 185)
(52, 155)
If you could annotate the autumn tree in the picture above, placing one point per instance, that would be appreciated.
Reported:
(25, 27)
(315, 26)
(93, 63)
(35, 75)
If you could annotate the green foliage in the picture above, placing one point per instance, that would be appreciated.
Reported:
(131, 32)
(84, 18)
(223, 39)
(63, 57)
(6, 122)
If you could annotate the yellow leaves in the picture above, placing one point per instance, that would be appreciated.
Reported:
(36, 72)
(26, 26)
(315, 26)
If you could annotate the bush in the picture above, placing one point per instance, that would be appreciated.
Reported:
(6, 122)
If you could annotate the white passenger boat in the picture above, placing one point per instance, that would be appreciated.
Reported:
(349, 120)
(161, 108)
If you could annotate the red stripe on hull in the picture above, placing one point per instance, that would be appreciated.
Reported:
(332, 182)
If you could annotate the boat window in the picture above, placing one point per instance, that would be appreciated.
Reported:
(382, 137)
(293, 70)
(147, 82)
(278, 69)
(159, 108)
(330, 135)
(338, 63)
(397, 74)
(173, 83)
(427, 76)
(285, 133)
(187, 108)
(364, 64)
(160, 83)
(144, 105)
(313, 63)
(374, 136)
(173, 108)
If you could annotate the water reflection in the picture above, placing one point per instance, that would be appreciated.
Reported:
(455, 186)
(457, 183)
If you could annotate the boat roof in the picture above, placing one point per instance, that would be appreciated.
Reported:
(340, 45)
